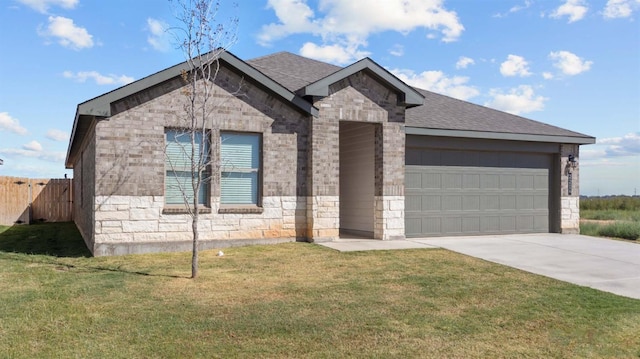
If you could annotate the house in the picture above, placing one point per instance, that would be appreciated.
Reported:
(331, 151)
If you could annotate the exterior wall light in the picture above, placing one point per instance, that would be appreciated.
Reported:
(572, 161)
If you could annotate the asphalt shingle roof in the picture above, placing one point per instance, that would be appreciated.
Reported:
(438, 112)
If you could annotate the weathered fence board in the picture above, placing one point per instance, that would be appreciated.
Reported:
(51, 200)
(24, 200)
(14, 200)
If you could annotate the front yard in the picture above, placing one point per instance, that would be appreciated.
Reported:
(293, 300)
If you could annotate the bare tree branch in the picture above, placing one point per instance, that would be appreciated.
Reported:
(202, 41)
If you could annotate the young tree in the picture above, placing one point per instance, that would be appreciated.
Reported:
(188, 147)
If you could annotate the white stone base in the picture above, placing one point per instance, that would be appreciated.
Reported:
(389, 217)
(323, 213)
(570, 215)
(132, 220)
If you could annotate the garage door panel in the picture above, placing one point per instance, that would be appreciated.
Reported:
(452, 203)
(508, 202)
(490, 224)
(471, 203)
(542, 182)
(471, 224)
(508, 181)
(431, 181)
(413, 181)
(490, 202)
(471, 181)
(431, 203)
(490, 181)
(458, 199)
(451, 180)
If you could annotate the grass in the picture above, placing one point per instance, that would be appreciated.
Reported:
(292, 301)
(610, 215)
(610, 222)
(616, 229)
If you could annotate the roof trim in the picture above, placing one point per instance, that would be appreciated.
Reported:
(409, 97)
(500, 136)
(101, 106)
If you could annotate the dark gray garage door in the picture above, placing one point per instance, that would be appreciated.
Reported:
(452, 192)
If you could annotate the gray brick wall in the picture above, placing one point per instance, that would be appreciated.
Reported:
(130, 145)
(83, 187)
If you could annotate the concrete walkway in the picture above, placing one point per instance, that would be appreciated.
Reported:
(604, 264)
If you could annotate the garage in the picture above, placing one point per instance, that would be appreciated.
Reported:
(478, 187)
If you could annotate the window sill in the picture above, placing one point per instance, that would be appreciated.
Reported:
(182, 210)
(241, 210)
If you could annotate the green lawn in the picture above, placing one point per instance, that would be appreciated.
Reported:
(292, 301)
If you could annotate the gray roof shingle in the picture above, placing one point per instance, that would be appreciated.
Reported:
(438, 112)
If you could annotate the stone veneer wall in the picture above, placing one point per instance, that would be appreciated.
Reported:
(389, 214)
(136, 224)
(569, 203)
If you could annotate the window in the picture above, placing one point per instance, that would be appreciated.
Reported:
(178, 184)
(240, 168)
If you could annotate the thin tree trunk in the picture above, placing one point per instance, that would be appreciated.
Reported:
(194, 254)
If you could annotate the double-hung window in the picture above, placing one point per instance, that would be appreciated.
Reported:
(240, 168)
(179, 176)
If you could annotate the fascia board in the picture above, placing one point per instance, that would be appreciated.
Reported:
(499, 136)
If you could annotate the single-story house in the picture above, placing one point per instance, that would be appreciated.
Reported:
(330, 151)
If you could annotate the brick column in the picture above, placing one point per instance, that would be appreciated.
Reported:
(389, 187)
(323, 202)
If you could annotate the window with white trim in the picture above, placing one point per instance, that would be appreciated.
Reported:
(178, 181)
(240, 168)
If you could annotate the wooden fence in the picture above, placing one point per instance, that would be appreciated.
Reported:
(28, 200)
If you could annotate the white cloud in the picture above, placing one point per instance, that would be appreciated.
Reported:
(8, 123)
(547, 75)
(438, 82)
(349, 23)
(68, 34)
(515, 66)
(574, 9)
(627, 145)
(100, 79)
(620, 8)
(337, 54)
(397, 50)
(515, 9)
(32, 146)
(464, 62)
(158, 36)
(57, 135)
(43, 5)
(519, 100)
(569, 63)
(42, 154)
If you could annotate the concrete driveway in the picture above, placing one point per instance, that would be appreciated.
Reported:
(604, 264)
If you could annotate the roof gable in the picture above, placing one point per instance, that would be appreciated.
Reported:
(101, 106)
(407, 96)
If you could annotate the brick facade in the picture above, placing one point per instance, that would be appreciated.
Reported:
(120, 171)
(122, 168)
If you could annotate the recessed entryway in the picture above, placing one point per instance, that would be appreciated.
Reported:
(357, 179)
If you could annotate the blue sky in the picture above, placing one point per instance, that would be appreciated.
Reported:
(570, 63)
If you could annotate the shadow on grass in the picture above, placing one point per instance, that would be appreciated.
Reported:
(60, 240)
(54, 239)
